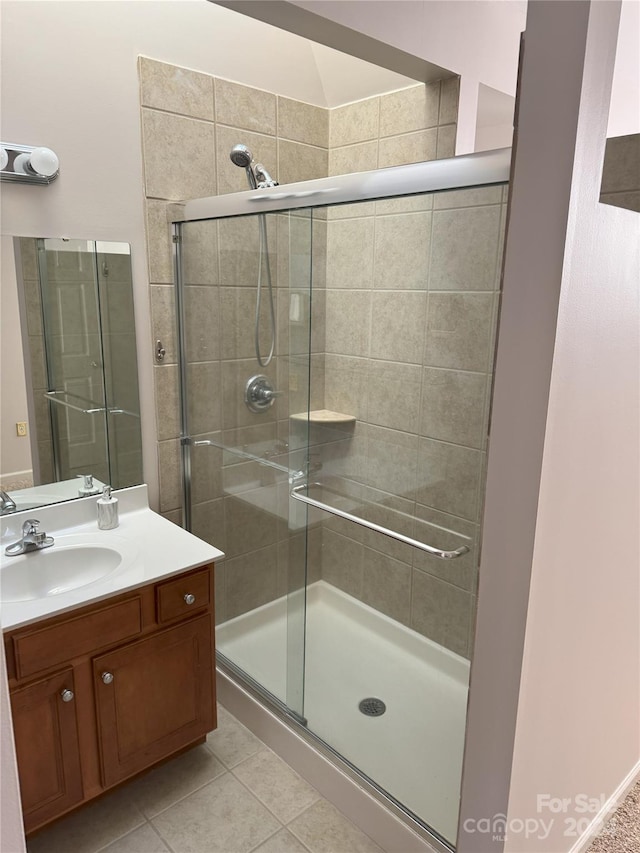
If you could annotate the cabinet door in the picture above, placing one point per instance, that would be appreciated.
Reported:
(154, 697)
(46, 737)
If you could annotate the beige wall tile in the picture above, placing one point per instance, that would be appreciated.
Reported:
(449, 98)
(231, 178)
(391, 461)
(346, 383)
(167, 401)
(348, 320)
(350, 246)
(621, 171)
(404, 204)
(302, 122)
(202, 323)
(440, 530)
(628, 201)
(248, 528)
(163, 320)
(159, 243)
(448, 477)
(177, 90)
(471, 197)
(234, 411)
(386, 585)
(401, 254)
(441, 612)
(409, 148)
(203, 380)
(397, 326)
(453, 406)
(394, 513)
(464, 248)
(179, 156)
(245, 107)
(200, 253)
(206, 474)
(342, 562)
(207, 522)
(446, 146)
(239, 256)
(355, 122)
(299, 162)
(170, 476)
(394, 395)
(237, 315)
(251, 580)
(414, 108)
(362, 157)
(459, 330)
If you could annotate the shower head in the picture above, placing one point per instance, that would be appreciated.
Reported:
(241, 156)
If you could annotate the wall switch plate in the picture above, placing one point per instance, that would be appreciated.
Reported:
(21, 428)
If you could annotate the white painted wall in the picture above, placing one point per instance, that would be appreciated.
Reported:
(578, 730)
(15, 452)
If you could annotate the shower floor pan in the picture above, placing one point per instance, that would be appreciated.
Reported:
(353, 652)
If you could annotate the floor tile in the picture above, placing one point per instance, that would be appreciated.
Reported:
(173, 781)
(323, 829)
(276, 785)
(92, 828)
(231, 742)
(142, 840)
(222, 817)
(281, 842)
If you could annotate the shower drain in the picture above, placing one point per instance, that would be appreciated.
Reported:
(372, 707)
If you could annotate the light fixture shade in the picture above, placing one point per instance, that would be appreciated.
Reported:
(4, 158)
(44, 161)
(21, 164)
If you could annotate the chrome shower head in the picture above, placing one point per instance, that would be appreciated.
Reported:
(241, 156)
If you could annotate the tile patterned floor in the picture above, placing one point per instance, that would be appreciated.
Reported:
(232, 795)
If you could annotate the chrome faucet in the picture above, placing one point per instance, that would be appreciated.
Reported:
(7, 504)
(32, 539)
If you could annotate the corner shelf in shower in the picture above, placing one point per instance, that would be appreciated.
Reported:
(325, 417)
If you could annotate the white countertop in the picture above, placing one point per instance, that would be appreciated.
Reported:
(163, 549)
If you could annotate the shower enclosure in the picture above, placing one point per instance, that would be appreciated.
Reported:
(344, 480)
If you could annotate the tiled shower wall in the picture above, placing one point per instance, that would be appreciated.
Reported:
(202, 118)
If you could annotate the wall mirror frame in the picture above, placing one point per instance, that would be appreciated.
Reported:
(69, 371)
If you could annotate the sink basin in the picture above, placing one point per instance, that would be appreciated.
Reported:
(72, 562)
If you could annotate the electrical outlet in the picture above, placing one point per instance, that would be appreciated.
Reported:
(21, 428)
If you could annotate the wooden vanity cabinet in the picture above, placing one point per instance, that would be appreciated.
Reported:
(103, 692)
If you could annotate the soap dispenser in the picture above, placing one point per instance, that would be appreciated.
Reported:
(87, 487)
(107, 510)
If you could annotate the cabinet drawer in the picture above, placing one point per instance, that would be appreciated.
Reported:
(183, 596)
(42, 649)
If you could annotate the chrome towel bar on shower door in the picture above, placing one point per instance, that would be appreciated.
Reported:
(370, 525)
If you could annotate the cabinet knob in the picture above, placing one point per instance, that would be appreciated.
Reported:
(189, 598)
(67, 695)
(107, 677)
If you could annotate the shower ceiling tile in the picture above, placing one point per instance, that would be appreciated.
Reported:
(410, 109)
(177, 90)
(245, 107)
(189, 175)
(302, 122)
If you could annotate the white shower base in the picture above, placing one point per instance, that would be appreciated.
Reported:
(413, 751)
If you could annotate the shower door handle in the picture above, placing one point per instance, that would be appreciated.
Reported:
(370, 525)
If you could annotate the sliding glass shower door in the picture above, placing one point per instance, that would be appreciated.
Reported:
(245, 390)
(347, 485)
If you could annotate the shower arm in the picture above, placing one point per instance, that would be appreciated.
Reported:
(370, 525)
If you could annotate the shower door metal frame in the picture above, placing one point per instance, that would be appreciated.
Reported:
(457, 173)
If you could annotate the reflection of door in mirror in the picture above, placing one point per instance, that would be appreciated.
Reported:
(78, 338)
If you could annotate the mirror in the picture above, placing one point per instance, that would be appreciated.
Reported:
(69, 383)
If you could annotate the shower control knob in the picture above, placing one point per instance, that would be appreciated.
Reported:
(66, 695)
(259, 393)
(189, 598)
(107, 677)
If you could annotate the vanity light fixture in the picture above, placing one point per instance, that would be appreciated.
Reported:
(28, 164)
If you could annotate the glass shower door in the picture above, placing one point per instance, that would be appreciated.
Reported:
(244, 438)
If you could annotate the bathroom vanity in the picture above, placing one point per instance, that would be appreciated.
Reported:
(118, 674)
